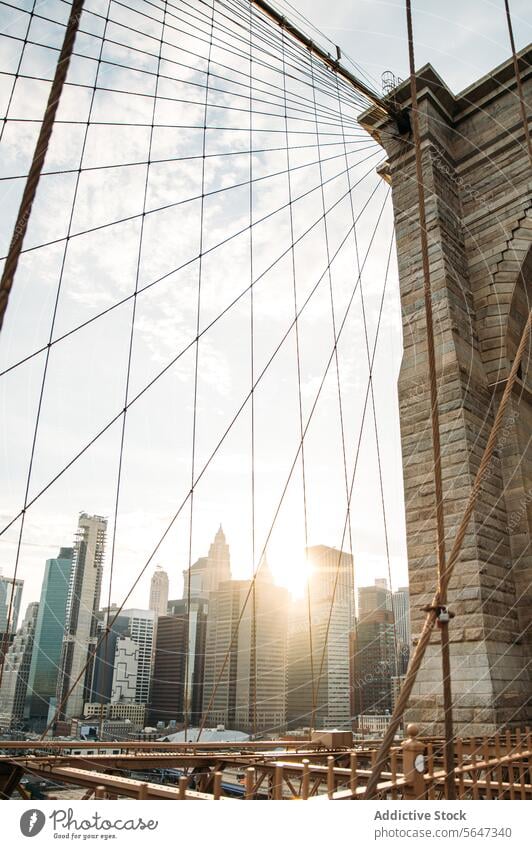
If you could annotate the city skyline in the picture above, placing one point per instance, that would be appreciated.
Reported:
(178, 585)
(140, 664)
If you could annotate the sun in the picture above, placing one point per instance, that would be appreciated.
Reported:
(289, 567)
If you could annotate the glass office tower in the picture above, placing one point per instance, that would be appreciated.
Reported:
(48, 639)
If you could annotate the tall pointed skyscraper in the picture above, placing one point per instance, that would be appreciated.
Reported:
(208, 572)
(218, 563)
(159, 592)
(264, 573)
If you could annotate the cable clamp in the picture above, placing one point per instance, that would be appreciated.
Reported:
(443, 614)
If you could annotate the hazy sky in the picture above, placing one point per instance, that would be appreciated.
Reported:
(85, 381)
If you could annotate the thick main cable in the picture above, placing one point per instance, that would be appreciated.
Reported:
(39, 155)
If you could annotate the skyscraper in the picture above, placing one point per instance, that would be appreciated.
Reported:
(6, 589)
(159, 592)
(375, 650)
(49, 629)
(81, 624)
(13, 691)
(207, 573)
(7, 631)
(327, 673)
(249, 692)
(125, 671)
(168, 682)
(331, 574)
(104, 660)
(123, 663)
(141, 632)
(197, 578)
(401, 609)
(377, 596)
(171, 669)
(319, 683)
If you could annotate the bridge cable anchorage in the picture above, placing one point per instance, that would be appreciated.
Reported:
(335, 65)
(135, 30)
(39, 155)
(170, 61)
(435, 426)
(522, 104)
(320, 53)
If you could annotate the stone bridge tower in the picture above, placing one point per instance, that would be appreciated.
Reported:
(478, 185)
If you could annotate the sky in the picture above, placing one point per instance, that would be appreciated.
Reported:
(86, 376)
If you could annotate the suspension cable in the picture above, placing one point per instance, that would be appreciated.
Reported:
(169, 365)
(196, 378)
(253, 671)
(299, 394)
(39, 155)
(11, 266)
(204, 469)
(293, 466)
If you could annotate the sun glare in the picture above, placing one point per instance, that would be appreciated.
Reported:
(289, 567)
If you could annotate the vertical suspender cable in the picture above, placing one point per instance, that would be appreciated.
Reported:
(308, 599)
(186, 689)
(334, 333)
(130, 345)
(440, 523)
(253, 670)
(376, 429)
(25, 41)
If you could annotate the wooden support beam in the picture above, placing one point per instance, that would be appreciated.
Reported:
(10, 775)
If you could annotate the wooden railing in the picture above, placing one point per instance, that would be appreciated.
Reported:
(498, 767)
